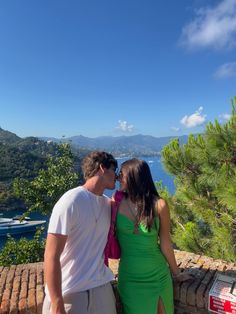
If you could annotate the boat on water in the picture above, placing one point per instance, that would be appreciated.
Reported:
(16, 226)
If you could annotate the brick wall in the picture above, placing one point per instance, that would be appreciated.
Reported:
(21, 286)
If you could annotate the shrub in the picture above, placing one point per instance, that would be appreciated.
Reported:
(23, 251)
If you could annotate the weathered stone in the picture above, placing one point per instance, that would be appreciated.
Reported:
(6, 295)
(24, 290)
(25, 275)
(31, 301)
(40, 274)
(3, 281)
(22, 306)
(22, 286)
(5, 306)
(200, 292)
(32, 281)
(16, 283)
(40, 293)
(10, 275)
(14, 303)
(191, 286)
(39, 298)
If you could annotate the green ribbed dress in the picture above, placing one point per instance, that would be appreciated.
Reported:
(144, 274)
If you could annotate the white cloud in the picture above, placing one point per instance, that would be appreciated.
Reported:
(226, 70)
(225, 116)
(173, 128)
(212, 27)
(194, 119)
(124, 126)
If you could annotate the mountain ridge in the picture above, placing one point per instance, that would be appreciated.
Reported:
(138, 144)
(125, 145)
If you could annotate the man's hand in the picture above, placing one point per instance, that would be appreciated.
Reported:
(58, 307)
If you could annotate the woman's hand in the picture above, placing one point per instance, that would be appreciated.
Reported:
(183, 276)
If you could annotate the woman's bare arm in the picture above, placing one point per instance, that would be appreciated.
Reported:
(164, 233)
(166, 244)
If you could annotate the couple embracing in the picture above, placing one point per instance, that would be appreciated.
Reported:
(77, 279)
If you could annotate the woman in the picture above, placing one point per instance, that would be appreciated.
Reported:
(143, 231)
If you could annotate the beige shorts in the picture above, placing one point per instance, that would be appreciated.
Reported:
(99, 300)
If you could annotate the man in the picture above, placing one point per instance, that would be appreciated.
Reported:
(77, 280)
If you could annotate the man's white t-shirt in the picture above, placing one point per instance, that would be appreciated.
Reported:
(85, 218)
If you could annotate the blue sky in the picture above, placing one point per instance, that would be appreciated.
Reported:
(115, 68)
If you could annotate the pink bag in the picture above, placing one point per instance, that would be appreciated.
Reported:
(112, 249)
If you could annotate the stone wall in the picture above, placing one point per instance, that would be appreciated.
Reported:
(22, 286)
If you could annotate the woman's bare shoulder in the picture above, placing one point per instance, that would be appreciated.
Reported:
(161, 206)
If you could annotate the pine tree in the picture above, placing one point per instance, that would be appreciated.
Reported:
(203, 209)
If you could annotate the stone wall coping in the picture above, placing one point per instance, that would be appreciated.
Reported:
(22, 286)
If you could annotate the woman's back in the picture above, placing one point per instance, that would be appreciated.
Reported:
(143, 271)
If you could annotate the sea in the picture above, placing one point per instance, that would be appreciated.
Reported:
(157, 170)
(158, 173)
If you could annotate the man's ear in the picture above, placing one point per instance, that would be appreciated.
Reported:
(102, 168)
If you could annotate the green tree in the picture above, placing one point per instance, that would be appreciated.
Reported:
(41, 193)
(22, 251)
(203, 209)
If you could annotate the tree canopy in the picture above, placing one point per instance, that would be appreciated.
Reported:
(41, 193)
(203, 208)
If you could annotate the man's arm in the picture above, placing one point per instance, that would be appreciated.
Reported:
(52, 270)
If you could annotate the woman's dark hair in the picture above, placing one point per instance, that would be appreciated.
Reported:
(140, 188)
(92, 162)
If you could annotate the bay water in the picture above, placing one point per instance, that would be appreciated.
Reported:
(157, 170)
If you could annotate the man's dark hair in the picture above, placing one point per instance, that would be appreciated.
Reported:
(92, 162)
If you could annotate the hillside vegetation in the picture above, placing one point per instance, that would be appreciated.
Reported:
(23, 159)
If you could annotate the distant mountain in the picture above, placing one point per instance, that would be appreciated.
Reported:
(135, 145)
(122, 145)
(7, 137)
